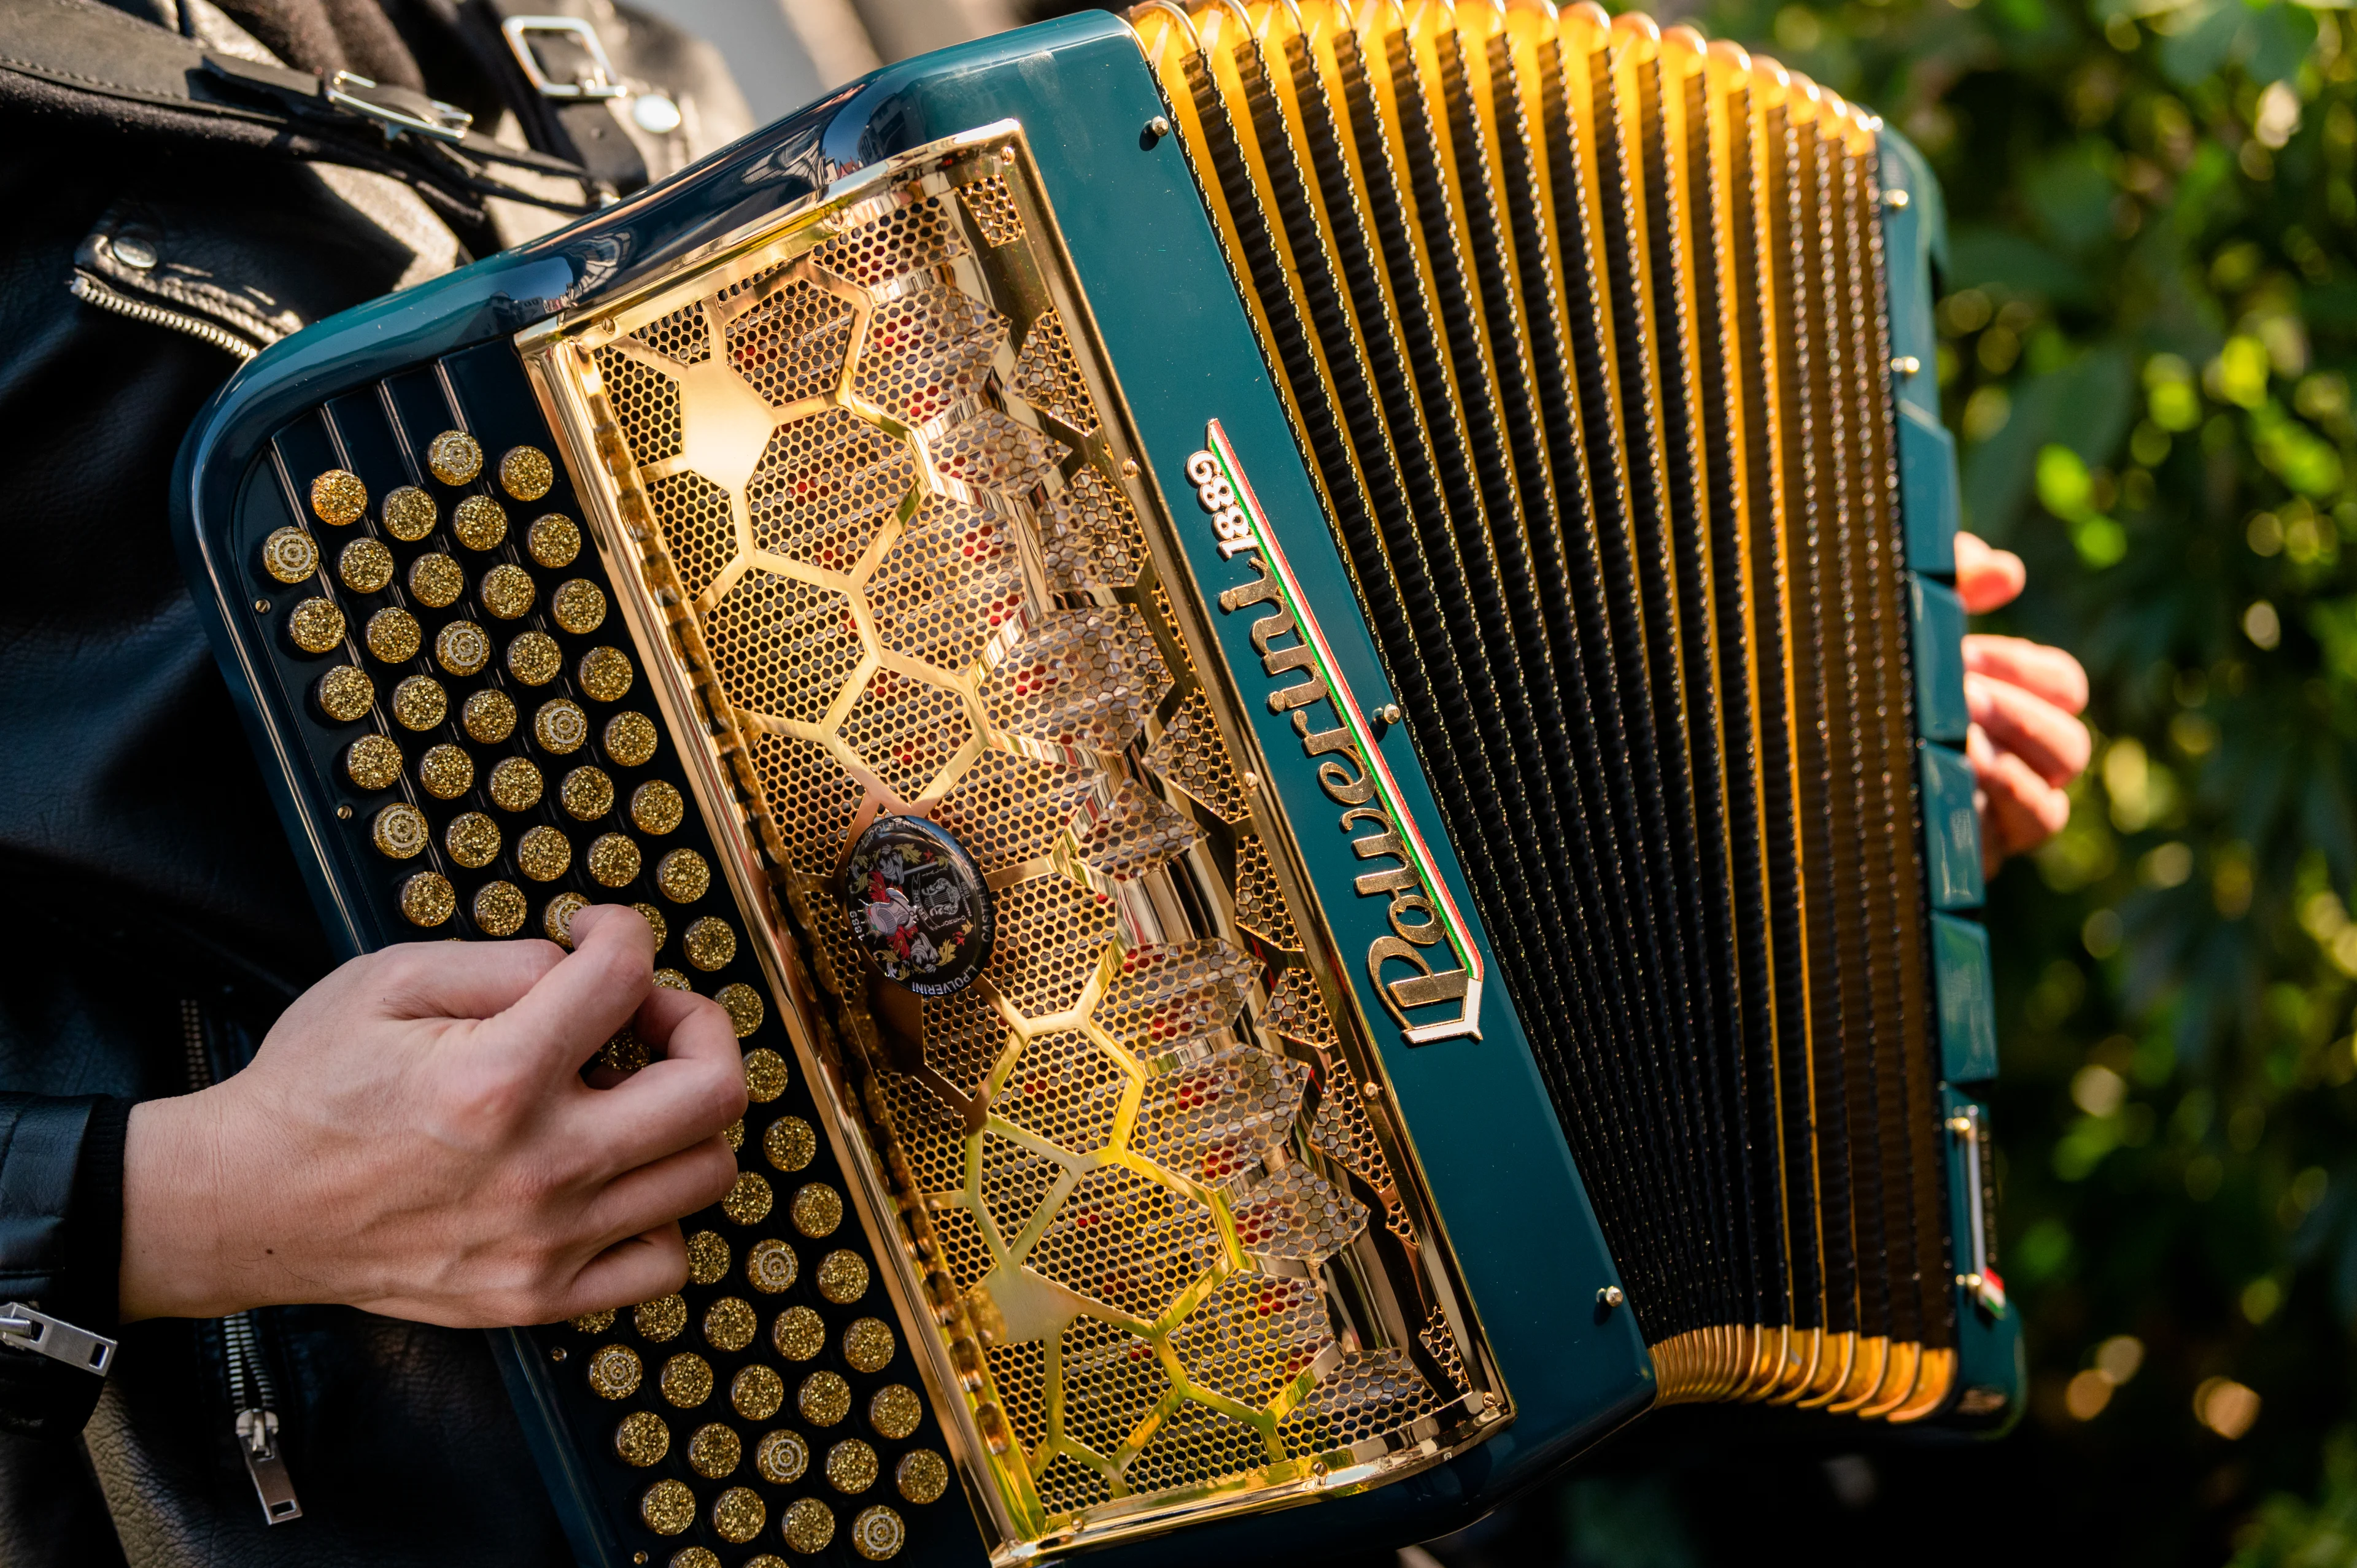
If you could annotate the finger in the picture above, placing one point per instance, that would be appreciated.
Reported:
(2034, 729)
(2022, 810)
(453, 980)
(581, 1001)
(664, 1190)
(636, 1269)
(2033, 666)
(691, 1093)
(1987, 578)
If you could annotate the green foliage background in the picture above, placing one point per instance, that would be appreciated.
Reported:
(2148, 328)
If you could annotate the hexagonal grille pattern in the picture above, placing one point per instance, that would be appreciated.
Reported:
(914, 597)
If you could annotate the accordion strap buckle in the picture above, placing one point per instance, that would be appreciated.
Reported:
(597, 81)
(397, 109)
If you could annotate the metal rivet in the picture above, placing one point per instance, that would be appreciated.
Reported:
(655, 114)
(1129, 467)
(1907, 364)
(135, 254)
(557, 1354)
(261, 606)
(1490, 1401)
(1007, 156)
(1610, 1297)
(1156, 129)
(1389, 713)
(1371, 1090)
(344, 813)
(1895, 200)
(1250, 780)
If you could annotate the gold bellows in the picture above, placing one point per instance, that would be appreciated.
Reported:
(1581, 325)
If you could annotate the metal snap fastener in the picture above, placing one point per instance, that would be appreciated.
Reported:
(135, 253)
(656, 114)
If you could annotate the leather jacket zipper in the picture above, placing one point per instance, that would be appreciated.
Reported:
(90, 291)
(252, 1397)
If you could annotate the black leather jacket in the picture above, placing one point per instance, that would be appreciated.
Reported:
(156, 922)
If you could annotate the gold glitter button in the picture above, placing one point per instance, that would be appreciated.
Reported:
(419, 703)
(488, 716)
(454, 457)
(515, 784)
(642, 1439)
(843, 1277)
(739, 1514)
(506, 591)
(687, 1380)
(895, 1411)
(409, 514)
(781, 1456)
(743, 1004)
(707, 1258)
(556, 920)
(705, 1557)
(653, 918)
(869, 1345)
(771, 1266)
(661, 1318)
(290, 555)
(614, 1372)
(316, 626)
(631, 738)
(526, 473)
(729, 1323)
(683, 876)
(799, 1334)
(435, 581)
(625, 1053)
(593, 1321)
(338, 497)
(544, 854)
(446, 771)
(735, 1133)
(709, 944)
(587, 793)
(345, 694)
(552, 540)
(715, 1450)
(560, 726)
(373, 762)
(817, 1210)
(399, 831)
(748, 1201)
(790, 1143)
(534, 659)
(878, 1533)
(578, 606)
(472, 839)
(656, 807)
(613, 859)
(669, 978)
(668, 1507)
(824, 1399)
(498, 908)
(808, 1527)
(850, 1467)
(365, 566)
(605, 674)
(757, 1392)
(765, 1070)
(922, 1475)
(480, 523)
(393, 635)
(462, 648)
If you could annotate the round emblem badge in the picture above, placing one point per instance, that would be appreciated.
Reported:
(918, 903)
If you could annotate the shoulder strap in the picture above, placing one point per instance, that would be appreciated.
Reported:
(101, 70)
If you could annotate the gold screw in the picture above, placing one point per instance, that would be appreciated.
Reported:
(1250, 780)
(1129, 467)
(344, 813)
(261, 606)
(557, 1354)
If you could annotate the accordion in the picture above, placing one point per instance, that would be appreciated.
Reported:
(1294, 671)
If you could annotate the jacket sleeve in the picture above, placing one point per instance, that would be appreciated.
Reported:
(60, 1244)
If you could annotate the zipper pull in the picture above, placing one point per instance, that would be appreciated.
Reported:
(257, 1432)
(26, 1329)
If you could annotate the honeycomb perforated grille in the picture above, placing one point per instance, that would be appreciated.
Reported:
(912, 579)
